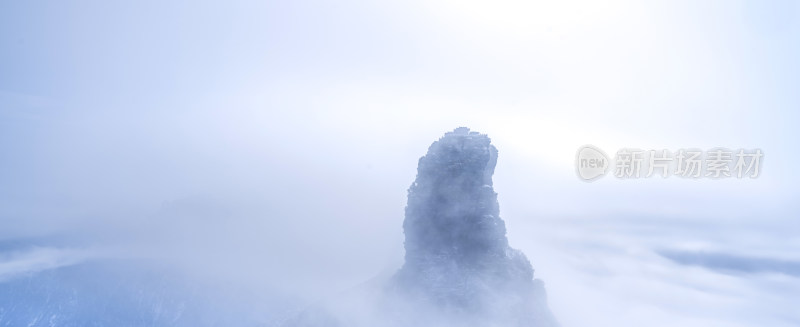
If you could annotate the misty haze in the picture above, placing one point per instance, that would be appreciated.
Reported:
(398, 163)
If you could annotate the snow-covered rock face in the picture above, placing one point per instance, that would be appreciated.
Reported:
(458, 261)
(459, 269)
(452, 208)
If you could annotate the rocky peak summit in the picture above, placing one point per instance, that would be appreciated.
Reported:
(457, 255)
(459, 269)
(452, 207)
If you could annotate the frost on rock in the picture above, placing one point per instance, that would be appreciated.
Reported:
(459, 269)
(457, 259)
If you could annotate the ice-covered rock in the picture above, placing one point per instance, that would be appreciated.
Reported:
(457, 259)
(459, 269)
